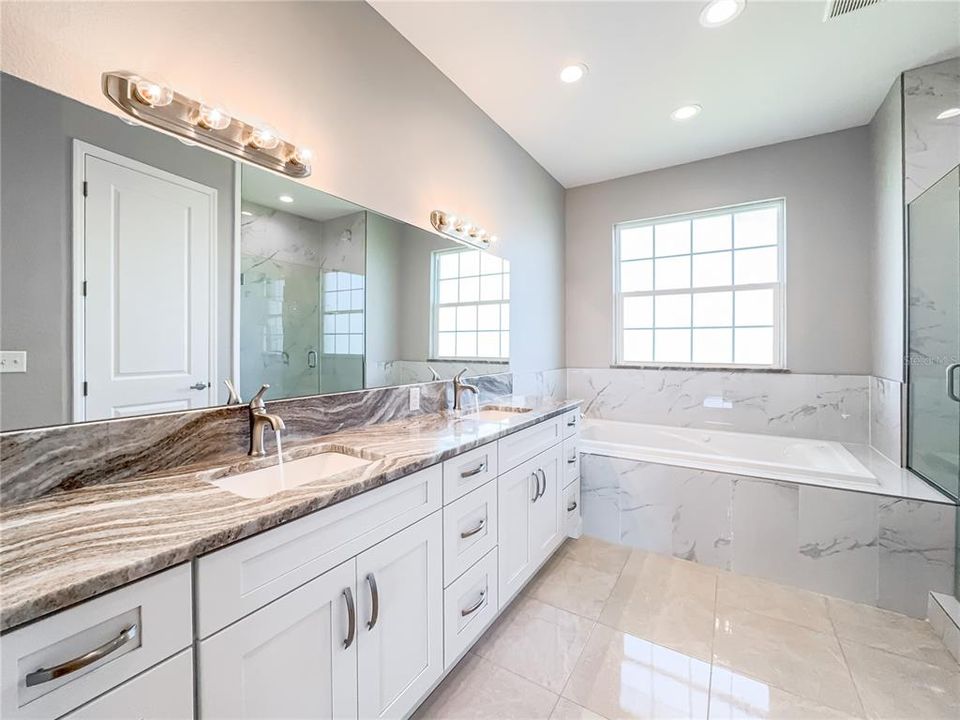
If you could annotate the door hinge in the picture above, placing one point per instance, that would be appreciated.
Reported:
(84, 388)
(84, 188)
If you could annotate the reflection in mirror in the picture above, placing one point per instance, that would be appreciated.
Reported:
(136, 279)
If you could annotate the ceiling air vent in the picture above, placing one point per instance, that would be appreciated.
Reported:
(836, 8)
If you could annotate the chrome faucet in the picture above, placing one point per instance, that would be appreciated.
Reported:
(259, 419)
(459, 387)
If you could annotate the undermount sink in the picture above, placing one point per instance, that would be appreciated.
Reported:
(290, 474)
(497, 413)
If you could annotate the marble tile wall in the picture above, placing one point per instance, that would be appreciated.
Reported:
(885, 417)
(931, 146)
(879, 550)
(827, 407)
(35, 462)
(542, 383)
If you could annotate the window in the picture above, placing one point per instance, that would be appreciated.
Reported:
(471, 305)
(342, 313)
(702, 288)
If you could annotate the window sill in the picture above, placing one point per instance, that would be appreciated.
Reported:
(703, 368)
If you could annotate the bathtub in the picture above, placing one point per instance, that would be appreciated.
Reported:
(812, 462)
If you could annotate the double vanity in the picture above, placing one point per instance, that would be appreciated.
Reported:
(346, 586)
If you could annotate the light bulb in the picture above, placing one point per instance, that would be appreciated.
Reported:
(265, 138)
(153, 93)
(213, 118)
(492, 239)
(448, 220)
(302, 156)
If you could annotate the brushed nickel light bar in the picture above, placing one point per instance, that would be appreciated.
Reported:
(156, 104)
(460, 229)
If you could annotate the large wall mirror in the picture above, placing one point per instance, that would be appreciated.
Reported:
(139, 273)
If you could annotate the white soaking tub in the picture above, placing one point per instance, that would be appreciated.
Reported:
(814, 462)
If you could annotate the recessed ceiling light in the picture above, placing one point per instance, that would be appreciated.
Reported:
(573, 73)
(246, 213)
(686, 112)
(720, 12)
(949, 113)
(285, 198)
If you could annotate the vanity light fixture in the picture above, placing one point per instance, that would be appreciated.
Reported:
(949, 113)
(720, 12)
(573, 73)
(686, 112)
(154, 103)
(461, 229)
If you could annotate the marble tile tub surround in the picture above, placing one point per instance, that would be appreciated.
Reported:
(679, 640)
(826, 407)
(885, 417)
(35, 462)
(931, 147)
(68, 546)
(943, 613)
(874, 549)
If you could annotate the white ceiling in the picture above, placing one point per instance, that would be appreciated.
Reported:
(776, 73)
(265, 188)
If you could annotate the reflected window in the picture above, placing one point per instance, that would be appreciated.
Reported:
(471, 305)
(701, 289)
(342, 313)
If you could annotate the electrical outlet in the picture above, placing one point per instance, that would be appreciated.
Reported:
(414, 398)
(13, 361)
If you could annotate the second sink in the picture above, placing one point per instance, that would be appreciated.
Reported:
(293, 473)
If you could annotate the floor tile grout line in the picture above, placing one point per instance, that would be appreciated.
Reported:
(713, 641)
(846, 663)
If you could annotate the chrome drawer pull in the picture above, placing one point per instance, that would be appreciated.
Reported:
(571, 461)
(474, 531)
(476, 606)
(476, 471)
(351, 618)
(542, 474)
(572, 506)
(375, 601)
(572, 423)
(37, 677)
(536, 495)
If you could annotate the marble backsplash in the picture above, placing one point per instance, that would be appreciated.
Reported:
(875, 549)
(35, 462)
(826, 407)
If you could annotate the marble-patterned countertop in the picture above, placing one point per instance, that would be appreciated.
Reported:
(65, 547)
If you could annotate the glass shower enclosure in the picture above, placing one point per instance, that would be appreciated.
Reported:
(933, 372)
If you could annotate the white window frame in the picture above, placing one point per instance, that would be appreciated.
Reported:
(435, 306)
(778, 287)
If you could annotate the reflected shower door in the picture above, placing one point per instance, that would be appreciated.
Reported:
(934, 334)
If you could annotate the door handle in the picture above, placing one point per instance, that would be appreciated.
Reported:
(475, 471)
(536, 494)
(952, 382)
(199, 386)
(42, 675)
(311, 359)
(476, 606)
(572, 506)
(351, 618)
(541, 473)
(470, 533)
(374, 602)
(571, 461)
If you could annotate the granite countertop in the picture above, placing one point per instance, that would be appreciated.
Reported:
(65, 547)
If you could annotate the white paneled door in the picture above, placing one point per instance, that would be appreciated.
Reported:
(145, 332)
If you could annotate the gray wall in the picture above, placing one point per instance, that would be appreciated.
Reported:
(37, 129)
(383, 309)
(886, 257)
(826, 181)
(389, 130)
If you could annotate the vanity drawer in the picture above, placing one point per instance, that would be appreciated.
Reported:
(469, 606)
(469, 471)
(133, 628)
(571, 422)
(521, 446)
(571, 459)
(161, 693)
(571, 509)
(469, 530)
(238, 579)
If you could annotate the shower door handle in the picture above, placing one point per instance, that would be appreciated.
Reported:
(312, 359)
(952, 382)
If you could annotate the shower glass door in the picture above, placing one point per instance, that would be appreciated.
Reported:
(934, 334)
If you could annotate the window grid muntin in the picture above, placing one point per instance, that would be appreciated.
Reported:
(777, 287)
(348, 311)
(503, 329)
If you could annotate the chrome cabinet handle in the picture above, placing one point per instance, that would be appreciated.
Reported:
(476, 606)
(572, 423)
(476, 471)
(542, 474)
(351, 618)
(374, 600)
(199, 386)
(571, 461)
(536, 495)
(572, 506)
(952, 382)
(474, 531)
(38, 677)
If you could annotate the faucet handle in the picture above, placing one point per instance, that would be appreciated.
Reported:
(458, 378)
(233, 397)
(256, 402)
(434, 374)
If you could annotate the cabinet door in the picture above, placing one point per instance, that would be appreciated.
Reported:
(400, 586)
(288, 659)
(516, 494)
(546, 519)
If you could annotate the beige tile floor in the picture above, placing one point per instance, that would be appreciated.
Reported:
(608, 632)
